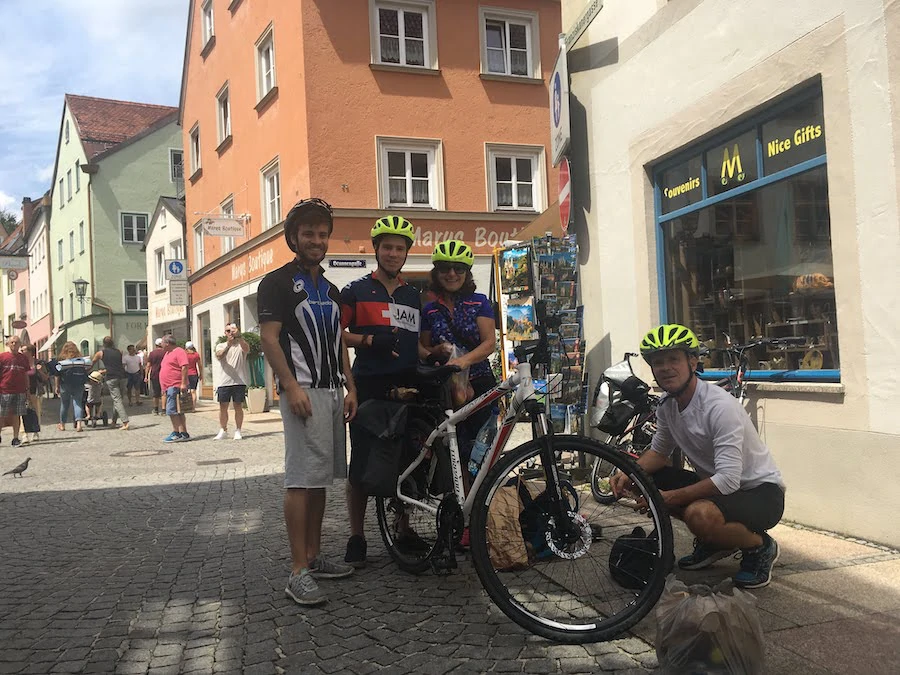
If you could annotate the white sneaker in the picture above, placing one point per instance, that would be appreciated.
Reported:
(237, 435)
(35, 437)
(220, 435)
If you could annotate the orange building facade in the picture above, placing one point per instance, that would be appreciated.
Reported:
(437, 111)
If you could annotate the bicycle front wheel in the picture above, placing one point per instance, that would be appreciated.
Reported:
(565, 581)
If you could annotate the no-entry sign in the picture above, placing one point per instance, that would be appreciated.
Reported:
(565, 195)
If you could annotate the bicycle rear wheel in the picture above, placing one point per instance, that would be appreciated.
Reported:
(410, 532)
(564, 589)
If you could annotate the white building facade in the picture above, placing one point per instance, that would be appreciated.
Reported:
(735, 169)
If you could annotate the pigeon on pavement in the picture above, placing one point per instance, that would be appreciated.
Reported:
(19, 469)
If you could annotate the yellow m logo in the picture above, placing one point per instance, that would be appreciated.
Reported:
(732, 164)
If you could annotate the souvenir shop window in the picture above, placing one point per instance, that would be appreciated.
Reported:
(758, 265)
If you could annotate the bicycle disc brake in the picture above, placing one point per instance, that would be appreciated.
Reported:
(561, 540)
(450, 522)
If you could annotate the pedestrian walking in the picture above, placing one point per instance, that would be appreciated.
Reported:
(233, 377)
(154, 360)
(311, 365)
(173, 380)
(14, 367)
(71, 372)
(116, 378)
(193, 370)
(134, 368)
(38, 378)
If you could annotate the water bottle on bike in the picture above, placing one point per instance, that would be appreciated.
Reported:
(483, 442)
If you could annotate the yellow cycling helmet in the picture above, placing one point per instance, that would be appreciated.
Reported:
(453, 251)
(667, 337)
(394, 225)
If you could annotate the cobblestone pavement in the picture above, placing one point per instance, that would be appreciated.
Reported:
(117, 559)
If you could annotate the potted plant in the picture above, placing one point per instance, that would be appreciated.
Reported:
(256, 390)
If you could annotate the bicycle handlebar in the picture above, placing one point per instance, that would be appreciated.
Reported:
(774, 342)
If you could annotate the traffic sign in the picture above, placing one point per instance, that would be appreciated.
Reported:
(560, 128)
(565, 195)
(178, 293)
(176, 269)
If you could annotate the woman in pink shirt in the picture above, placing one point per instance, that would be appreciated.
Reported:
(193, 369)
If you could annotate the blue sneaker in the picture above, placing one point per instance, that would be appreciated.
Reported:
(183, 436)
(757, 563)
(173, 437)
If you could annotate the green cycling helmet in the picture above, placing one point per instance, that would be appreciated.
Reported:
(453, 251)
(667, 337)
(394, 225)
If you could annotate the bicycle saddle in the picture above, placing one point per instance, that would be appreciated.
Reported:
(434, 375)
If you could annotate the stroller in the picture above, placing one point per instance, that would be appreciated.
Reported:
(93, 399)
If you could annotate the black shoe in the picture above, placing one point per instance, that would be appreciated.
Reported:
(410, 542)
(16, 442)
(356, 551)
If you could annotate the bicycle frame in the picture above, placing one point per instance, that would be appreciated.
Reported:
(521, 386)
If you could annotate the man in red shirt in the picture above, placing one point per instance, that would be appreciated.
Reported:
(173, 380)
(14, 369)
(154, 359)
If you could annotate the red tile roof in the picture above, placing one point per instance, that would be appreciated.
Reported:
(103, 123)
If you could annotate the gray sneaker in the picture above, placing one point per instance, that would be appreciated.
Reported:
(322, 568)
(303, 589)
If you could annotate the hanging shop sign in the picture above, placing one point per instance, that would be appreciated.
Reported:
(224, 226)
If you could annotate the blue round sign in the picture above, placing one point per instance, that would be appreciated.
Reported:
(557, 99)
(175, 267)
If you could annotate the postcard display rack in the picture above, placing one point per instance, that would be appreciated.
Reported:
(545, 269)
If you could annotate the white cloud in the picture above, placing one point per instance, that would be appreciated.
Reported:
(108, 48)
(6, 202)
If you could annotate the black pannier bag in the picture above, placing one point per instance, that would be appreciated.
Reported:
(380, 426)
(633, 558)
(616, 418)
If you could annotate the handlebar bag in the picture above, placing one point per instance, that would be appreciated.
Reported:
(615, 419)
(380, 426)
(634, 389)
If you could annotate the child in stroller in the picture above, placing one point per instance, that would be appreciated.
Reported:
(93, 399)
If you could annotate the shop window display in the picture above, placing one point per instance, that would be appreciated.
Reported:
(758, 264)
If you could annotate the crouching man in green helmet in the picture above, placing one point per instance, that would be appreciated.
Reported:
(736, 493)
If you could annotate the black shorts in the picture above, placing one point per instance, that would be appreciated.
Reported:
(155, 388)
(233, 392)
(193, 381)
(759, 508)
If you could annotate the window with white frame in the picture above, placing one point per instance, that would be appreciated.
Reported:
(71, 245)
(69, 185)
(62, 317)
(265, 63)
(516, 177)
(71, 305)
(198, 246)
(136, 296)
(510, 42)
(77, 177)
(223, 113)
(160, 255)
(271, 192)
(59, 253)
(208, 21)
(81, 236)
(227, 210)
(195, 149)
(410, 172)
(62, 194)
(404, 33)
(176, 165)
(67, 132)
(134, 227)
(175, 250)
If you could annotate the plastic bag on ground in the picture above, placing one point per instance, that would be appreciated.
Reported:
(705, 630)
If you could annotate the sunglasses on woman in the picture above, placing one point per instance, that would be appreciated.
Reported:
(445, 267)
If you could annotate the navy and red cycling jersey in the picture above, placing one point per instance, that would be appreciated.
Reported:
(460, 328)
(368, 309)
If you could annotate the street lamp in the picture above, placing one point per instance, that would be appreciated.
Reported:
(80, 290)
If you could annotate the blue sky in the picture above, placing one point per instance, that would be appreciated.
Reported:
(123, 49)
